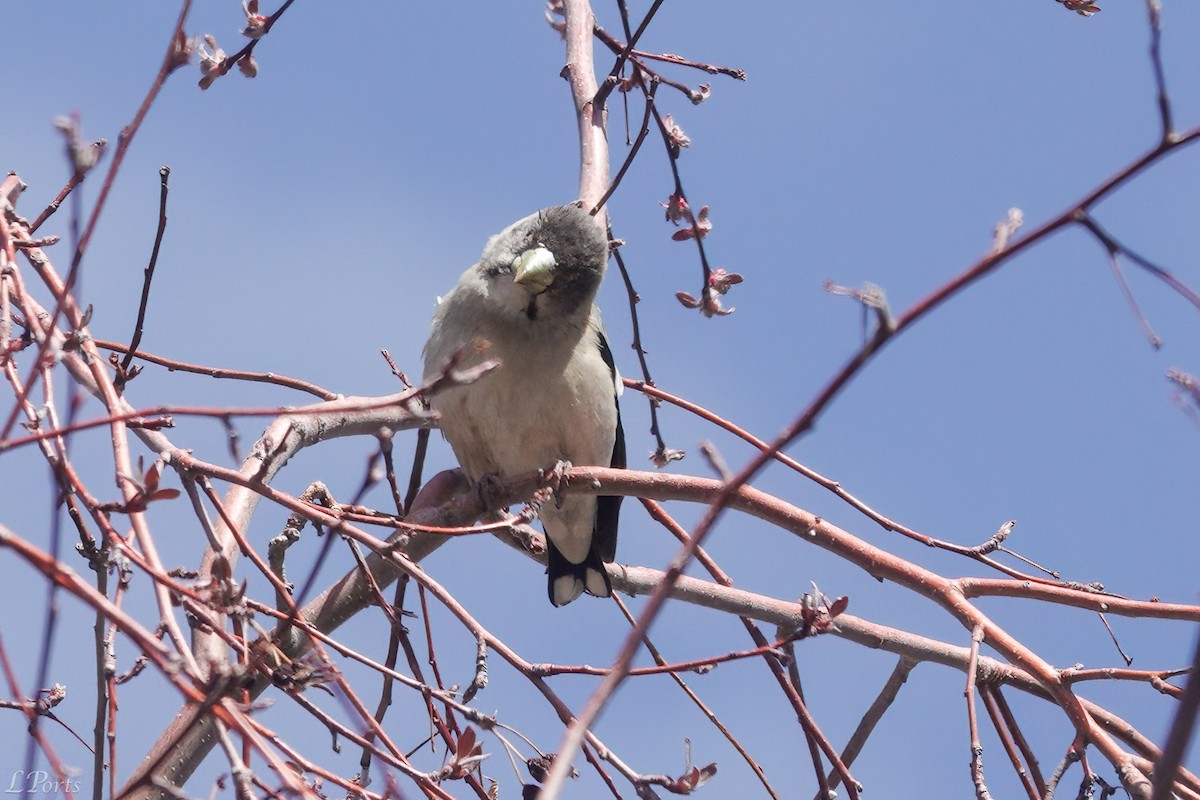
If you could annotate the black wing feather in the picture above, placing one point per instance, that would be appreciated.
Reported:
(608, 507)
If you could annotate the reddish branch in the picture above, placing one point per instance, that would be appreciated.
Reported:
(220, 372)
(591, 116)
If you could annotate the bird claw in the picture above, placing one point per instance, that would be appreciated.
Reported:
(559, 472)
(559, 475)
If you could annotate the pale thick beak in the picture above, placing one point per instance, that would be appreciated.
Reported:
(534, 269)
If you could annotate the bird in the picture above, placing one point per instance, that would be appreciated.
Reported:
(554, 397)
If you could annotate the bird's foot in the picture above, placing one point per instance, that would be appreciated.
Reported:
(488, 488)
(558, 477)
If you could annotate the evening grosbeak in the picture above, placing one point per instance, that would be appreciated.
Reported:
(553, 397)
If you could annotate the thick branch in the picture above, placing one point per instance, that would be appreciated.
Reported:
(580, 72)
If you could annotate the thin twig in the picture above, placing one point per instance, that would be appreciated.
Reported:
(1000, 724)
(614, 74)
(418, 466)
(981, 790)
(633, 151)
(1154, 11)
(673, 160)
(656, 431)
(1010, 722)
(866, 725)
(72, 182)
(123, 371)
(814, 750)
(104, 673)
(221, 372)
(1111, 243)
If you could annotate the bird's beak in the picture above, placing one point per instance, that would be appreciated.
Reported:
(534, 269)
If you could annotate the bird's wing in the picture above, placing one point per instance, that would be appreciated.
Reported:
(608, 507)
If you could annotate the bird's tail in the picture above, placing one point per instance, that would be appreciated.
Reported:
(567, 581)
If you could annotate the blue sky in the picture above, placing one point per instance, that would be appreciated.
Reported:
(318, 210)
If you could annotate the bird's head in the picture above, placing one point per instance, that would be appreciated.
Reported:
(547, 264)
